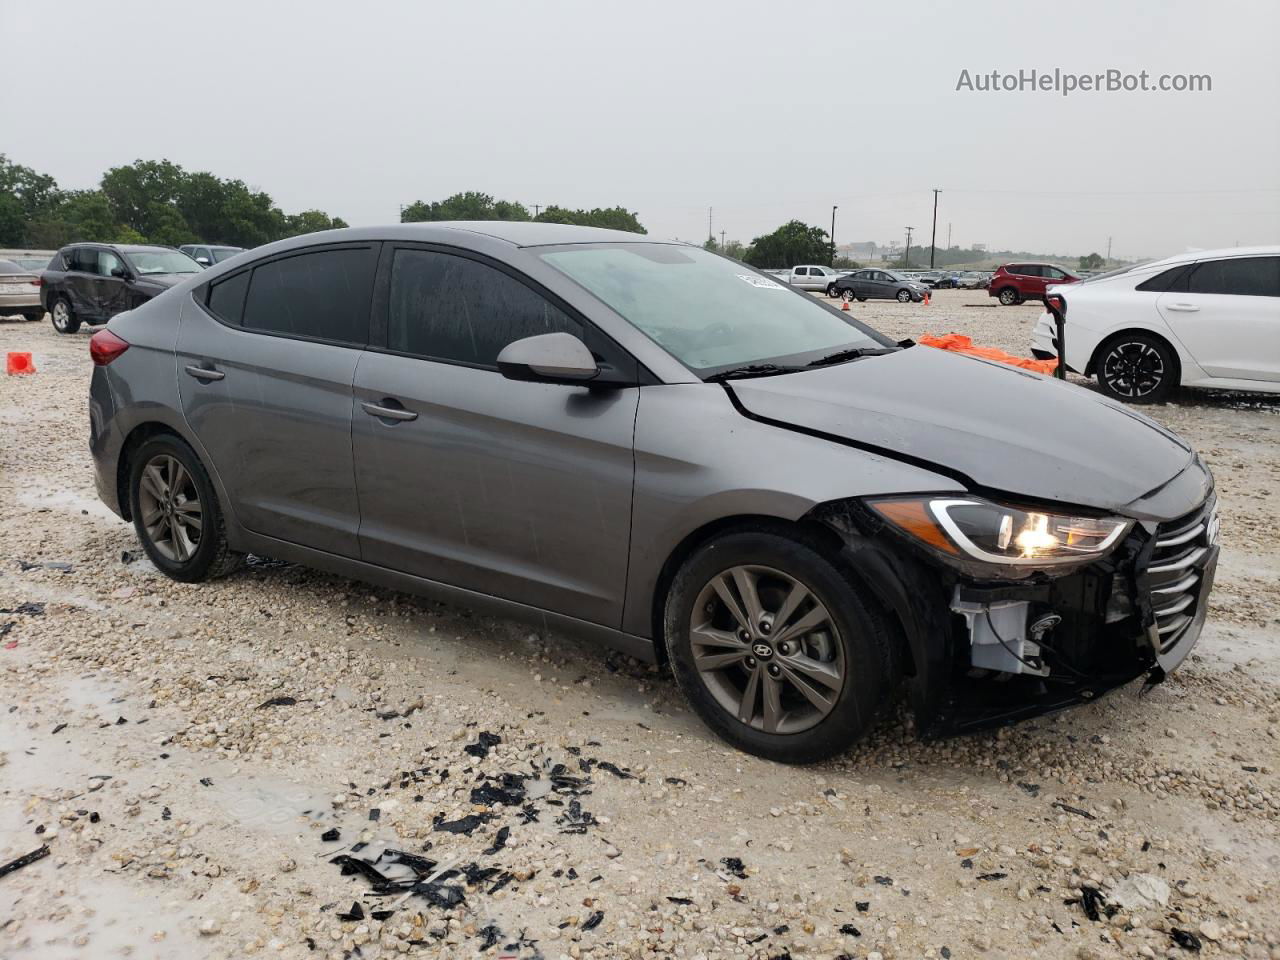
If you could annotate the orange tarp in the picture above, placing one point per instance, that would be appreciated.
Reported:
(961, 344)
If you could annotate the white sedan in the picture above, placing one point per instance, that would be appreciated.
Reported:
(1205, 319)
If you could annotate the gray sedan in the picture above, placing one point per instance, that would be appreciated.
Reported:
(875, 284)
(666, 451)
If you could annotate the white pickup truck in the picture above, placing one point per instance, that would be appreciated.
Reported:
(812, 277)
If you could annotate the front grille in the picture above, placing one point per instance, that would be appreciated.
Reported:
(1177, 563)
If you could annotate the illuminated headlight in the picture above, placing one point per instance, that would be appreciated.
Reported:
(1009, 541)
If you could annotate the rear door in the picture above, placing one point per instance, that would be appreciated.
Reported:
(517, 490)
(1228, 316)
(266, 360)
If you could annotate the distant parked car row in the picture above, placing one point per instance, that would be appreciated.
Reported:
(207, 255)
(1018, 282)
(92, 282)
(877, 284)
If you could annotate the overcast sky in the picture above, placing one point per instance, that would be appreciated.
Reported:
(763, 111)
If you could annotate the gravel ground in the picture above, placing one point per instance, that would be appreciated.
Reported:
(195, 757)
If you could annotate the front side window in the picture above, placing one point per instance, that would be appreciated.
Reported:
(319, 296)
(147, 262)
(447, 307)
(108, 263)
(1053, 273)
(708, 312)
(1239, 276)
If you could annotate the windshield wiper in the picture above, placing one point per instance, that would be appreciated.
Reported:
(750, 370)
(853, 353)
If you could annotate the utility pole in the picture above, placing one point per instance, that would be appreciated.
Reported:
(1108, 263)
(536, 208)
(948, 236)
(711, 234)
(721, 239)
(906, 257)
(402, 213)
(933, 237)
(834, 208)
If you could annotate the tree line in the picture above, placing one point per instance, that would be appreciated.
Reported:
(474, 205)
(149, 201)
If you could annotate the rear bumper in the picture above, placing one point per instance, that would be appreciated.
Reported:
(19, 302)
(105, 441)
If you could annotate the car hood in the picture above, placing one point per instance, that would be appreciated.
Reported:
(164, 280)
(997, 427)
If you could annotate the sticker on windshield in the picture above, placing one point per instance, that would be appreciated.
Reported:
(762, 282)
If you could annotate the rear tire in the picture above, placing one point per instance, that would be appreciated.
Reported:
(1137, 368)
(831, 291)
(862, 299)
(176, 514)
(824, 666)
(1008, 297)
(63, 317)
(33, 315)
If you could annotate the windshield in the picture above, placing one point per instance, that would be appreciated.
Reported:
(1116, 272)
(709, 312)
(161, 261)
(224, 253)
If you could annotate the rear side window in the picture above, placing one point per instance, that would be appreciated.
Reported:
(320, 296)
(1173, 279)
(1241, 276)
(455, 309)
(226, 298)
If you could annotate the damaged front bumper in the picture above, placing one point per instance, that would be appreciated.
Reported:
(984, 653)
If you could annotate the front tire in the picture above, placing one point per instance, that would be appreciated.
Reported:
(1008, 296)
(176, 512)
(847, 295)
(63, 317)
(832, 292)
(775, 647)
(1137, 368)
(904, 296)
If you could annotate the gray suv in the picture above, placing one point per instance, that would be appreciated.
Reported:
(668, 452)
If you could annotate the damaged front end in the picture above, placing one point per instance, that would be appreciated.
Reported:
(992, 642)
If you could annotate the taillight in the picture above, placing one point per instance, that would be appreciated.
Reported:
(38, 282)
(105, 346)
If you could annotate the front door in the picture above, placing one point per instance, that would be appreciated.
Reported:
(517, 490)
(110, 291)
(1228, 318)
(266, 359)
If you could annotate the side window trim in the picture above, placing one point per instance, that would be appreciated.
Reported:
(596, 339)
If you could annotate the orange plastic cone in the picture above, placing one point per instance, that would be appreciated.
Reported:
(926, 298)
(845, 305)
(19, 362)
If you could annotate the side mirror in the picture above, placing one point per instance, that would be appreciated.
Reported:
(120, 272)
(548, 358)
(203, 261)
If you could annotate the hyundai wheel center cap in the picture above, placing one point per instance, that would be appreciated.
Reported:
(762, 650)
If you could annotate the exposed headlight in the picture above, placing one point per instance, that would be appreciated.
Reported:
(1008, 541)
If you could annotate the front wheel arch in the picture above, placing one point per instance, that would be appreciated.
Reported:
(1104, 344)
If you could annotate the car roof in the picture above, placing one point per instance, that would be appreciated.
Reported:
(517, 233)
(125, 247)
(1193, 255)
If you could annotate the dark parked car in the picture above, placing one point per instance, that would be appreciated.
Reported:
(665, 450)
(875, 284)
(1016, 282)
(92, 282)
(207, 254)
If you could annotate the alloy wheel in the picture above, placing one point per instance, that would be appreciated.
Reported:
(170, 507)
(846, 296)
(1008, 297)
(61, 316)
(767, 649)
(904, 296)
(1133, 369)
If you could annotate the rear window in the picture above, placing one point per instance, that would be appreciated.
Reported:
(319, 296)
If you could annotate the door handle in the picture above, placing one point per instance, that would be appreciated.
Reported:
(1182, 307)
(204, 373)
(388, 413)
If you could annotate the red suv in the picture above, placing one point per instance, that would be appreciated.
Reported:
(1015, 282)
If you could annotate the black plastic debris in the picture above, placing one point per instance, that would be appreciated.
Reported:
(353, 865)
(278, 702)
(439, 894)
(683, 901)
(780, 929)
(59, 728)
(94, 817)
(484, 743)
(1185, 939)
(355, 913)
(126, 556)
(489, 936)
(575, 819)
(382, 914)
(946, 953)
(849, 930)
(28, 609)
(422, 866)
(465, 825)
(24, 861)
(615, 770)
(330, 835)
(677, 782)
(491, 794)
(1031, 789)
(735, 866)
(992, 876)
(967, 863)
(863, 905)
(1094, 904)
(1076, 810)
(593, 921)
(375, 814)
(499, 841)
(501, 882)
(166, 813)
(884, 881)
